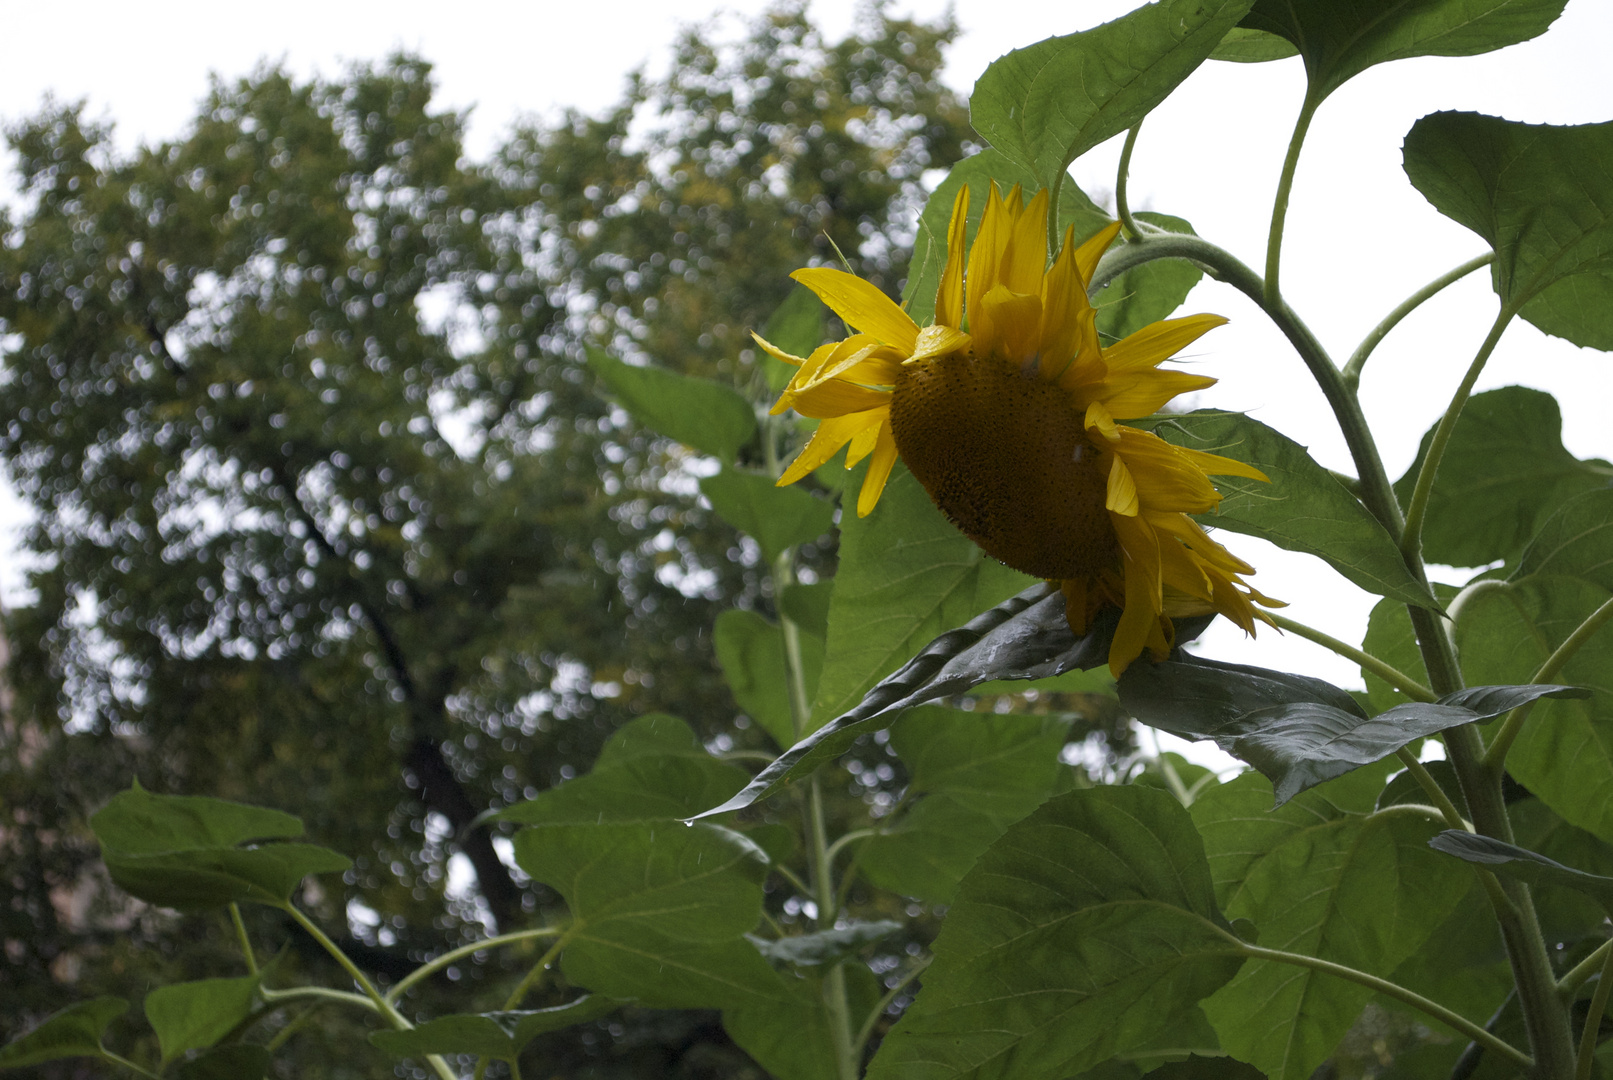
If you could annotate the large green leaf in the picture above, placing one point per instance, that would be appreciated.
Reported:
(652, 769)
(1576, 540)
(973, 775)
(72, 1032)
(777, 517)
(500, 1035)
(1047, 104)
(790, 1036)
(1086, 929)
(905, 575)
(1527, 866)
(750, 650)
(706, 415)
(1341, 40)
(1504, 471)
(188, 1016)
(1542, 197)
(659, 911)
(1150, 292)
(1326, 877)
(1245, 46)
(232, 1061)
(1390, 638)
(1303, 508)
(179, 851)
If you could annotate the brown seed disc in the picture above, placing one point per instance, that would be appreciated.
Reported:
(1007, 459)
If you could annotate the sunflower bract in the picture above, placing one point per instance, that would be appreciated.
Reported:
(1007, 410)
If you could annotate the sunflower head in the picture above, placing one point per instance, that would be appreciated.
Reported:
(1007, 408)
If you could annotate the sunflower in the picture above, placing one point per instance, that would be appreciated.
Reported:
(1006, 410)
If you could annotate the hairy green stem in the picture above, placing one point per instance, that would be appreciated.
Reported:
(1496, 755)
(1352, 370)
(1122, 203)
(534, 975)
(318, 993)
(1279, 209)
(1411, 538)
(1389, 674)
(1449, 1018)
(1425, 780)
(431, 967)
(1593, 1022)
(240, 936)
(118, 1059)
(866, 1032)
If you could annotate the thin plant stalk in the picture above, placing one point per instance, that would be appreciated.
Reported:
(1358, 360)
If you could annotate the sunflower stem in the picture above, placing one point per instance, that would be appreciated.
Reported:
(1495, 757)
(1593, 1022)
(1352, 370)
(1279, 209)
(1122, 203)
(1411, 539)
(1389, 674)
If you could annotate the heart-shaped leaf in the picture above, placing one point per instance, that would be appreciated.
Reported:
(652, 769)
(706, 415)
(1303, 508)
(776, 517)
(1575, 541)
(1089, 927)
(1296, 730)
(1504, 471)
(188, 1016)
(72, 1032)
(1339, 41)
(179, 851)
(1542, 197)
(1047, 104)
(500, 1035)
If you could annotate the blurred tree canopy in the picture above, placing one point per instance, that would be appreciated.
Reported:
(330, 515)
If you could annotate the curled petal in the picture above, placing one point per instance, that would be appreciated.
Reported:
(861, 305)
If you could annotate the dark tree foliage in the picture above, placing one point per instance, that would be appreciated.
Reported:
(331, 516)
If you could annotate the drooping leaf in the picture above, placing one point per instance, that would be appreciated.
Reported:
(193, 1015)
(179, 851)
(1566, 916)
(652, 769)
(777, 517)
(1505, 471)
(750, 650)
(972, 775)
(796, 326)
(791, 1036)
(1542, 197)
(905, 575)
(1525, 865)
(1324, 876)
(71, 1032)
(705, 415)
(233, 1061)
(1296, 730)
(1024, 637)
(826, 946)
(659, 911)
(1303, 508)
(500, 1035)
(1339, 41)
(1087, 928)
(1047, 104)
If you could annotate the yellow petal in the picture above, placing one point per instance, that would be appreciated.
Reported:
(1015, 319)
(983, 260)
(1025, 257)
(879, 470)
(1088, 254)
(831, 435)
(775, 352)
(1122, 497)
(949, 297)
(1142, 393)
(1165, 479)
(1139, 618)
(861, 305)
(1098, 417)
(937, 340)
(1216, 465)
(1158, 341)
(838, 398)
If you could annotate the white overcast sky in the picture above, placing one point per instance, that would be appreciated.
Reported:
(1360, 238)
